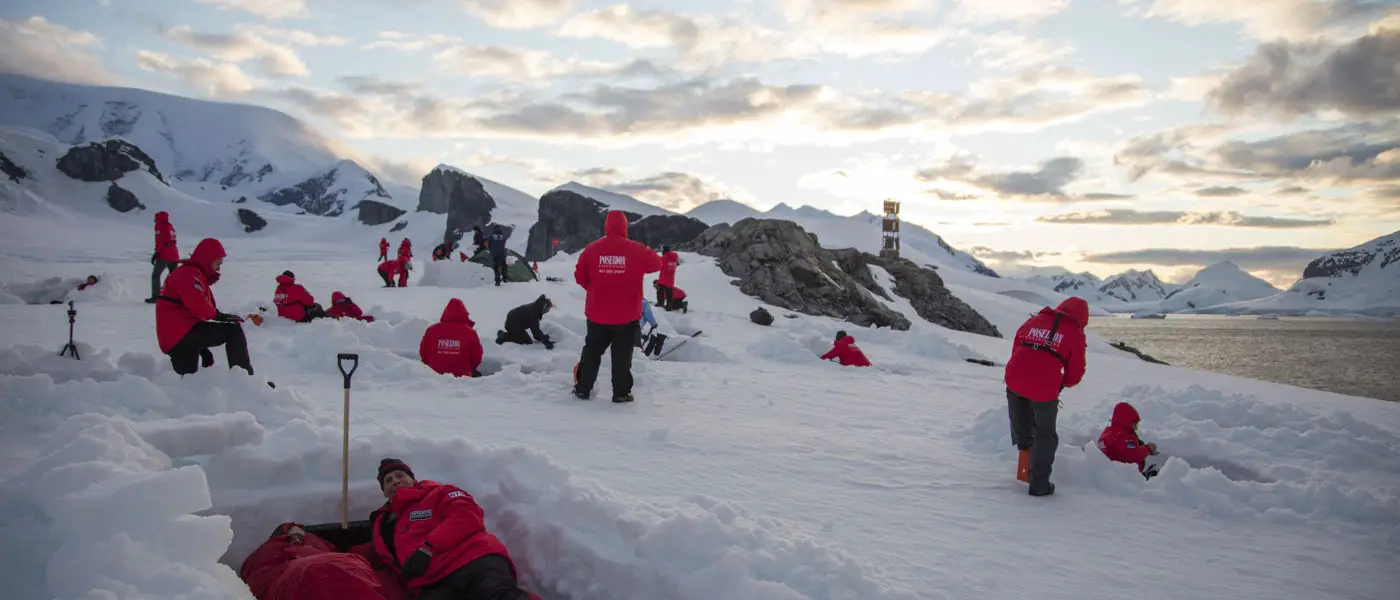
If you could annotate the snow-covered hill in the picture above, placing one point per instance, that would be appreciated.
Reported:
(1220, 283)
(613, 200)
(1364, 279)
(1082, 285)
(1135, 287)
(335, 191)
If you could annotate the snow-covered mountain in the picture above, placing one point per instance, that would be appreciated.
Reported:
(1220, 283)
(334, 191)
(1083, 285)
(1364, 279)
(1133, 286)
(614, 200)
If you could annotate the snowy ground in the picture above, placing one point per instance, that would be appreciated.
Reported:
(746, 469)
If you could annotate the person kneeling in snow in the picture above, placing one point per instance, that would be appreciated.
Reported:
(846, 352)
(343, 307)
(188, 321)
(671, 298)
(294, 302)
(435, 536)
(389, 268)
(295, 565)
(451, 346)
(524, 321)
(1120, 442)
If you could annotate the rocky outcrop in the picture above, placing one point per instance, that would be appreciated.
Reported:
(854, 263)
(12, 170)
(122, 200)
(105, 161)
(459, 196)
(574, 221)
(377, 213)
(400, 226)
(1131, 350)
(924, 290)
(317, 195)
(761, 316)
(782, 265)
(250, 220)
(1352, 261)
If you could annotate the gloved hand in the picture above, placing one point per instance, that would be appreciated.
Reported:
(1152, 449)
(153, 257)
(206, 358)
(369, 319)
(417, 563)
(227, 318)
(548, 345)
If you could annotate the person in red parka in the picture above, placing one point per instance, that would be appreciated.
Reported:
(1120, 442)
(1047, 355)
(666, 281)
(167, 253)
(612, 269)
(295, 565)
(846, 352)
(406, 250)
(383, 249)
(188, 321)
(389, 269)
(343, 307)
(451, 346)
(434, 534)
(294, 302)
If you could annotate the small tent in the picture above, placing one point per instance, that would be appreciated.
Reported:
(517, 268)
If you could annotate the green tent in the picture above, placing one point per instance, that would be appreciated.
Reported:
(517, 268)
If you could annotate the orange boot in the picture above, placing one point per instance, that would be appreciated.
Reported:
(1023, 466)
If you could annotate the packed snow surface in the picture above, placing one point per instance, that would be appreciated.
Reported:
(746, 469)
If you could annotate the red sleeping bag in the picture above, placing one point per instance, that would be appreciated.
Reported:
(289, 566)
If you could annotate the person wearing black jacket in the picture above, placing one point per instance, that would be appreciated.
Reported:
(526, 317)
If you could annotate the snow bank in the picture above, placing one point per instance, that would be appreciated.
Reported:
(454, 274)
(62, 289)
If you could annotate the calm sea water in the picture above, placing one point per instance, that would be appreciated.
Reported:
(1346, 356)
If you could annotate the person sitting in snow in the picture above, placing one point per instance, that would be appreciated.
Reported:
(524, 321)
(1047, 356)
(188, 321)
(383, 248)
(343, 307)
(294, 302)
(295, 565)
(451, 346)
(846, 352)
(166, 255)
(435, 536)
(1120, 442)
(496, 243)
(391, 268)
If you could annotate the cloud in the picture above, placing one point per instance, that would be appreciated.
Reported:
(217, 79)
(1271, 258)
(1008, 255)
(455, 55)
(38, 48)
(992, 11)
(1360, 78)
(270, 9)
(1221, 192)
(407, 172)
(1294, 19)
(960, 178)
(1005, 50)
(809, 11)
(537, 169)
(1171, 217)
(671, 190)
(518, 14)
(274, 50)
(371, 85)
(1049, 179)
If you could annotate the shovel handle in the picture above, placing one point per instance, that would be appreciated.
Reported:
(340, 362)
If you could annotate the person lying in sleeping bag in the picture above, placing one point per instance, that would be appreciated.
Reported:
(295, 565)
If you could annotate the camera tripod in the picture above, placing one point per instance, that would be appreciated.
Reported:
(70, 347)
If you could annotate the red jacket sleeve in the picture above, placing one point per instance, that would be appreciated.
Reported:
(1117, 447)
(581, 270)
(196, 301)
(473, 352)
(651, 261)
(301, 296)
(1074, 363)
(353, 310)
(464, 520)
(832, 353)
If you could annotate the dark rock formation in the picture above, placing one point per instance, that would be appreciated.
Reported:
(400, 226)
(122, 200)
(924, 290)
(318, 195)
(779, 263)
(1352, 261)
(250, 220)
(761, 316)
(461, 197)
(1126, 348)
(105, 161)
(12, 170)
(576, 221)
(854, 263)
(377, 213)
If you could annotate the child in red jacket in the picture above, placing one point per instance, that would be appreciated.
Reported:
(1120, 442)
(846, 352)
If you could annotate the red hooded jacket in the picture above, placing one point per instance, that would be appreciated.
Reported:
(391, 267)
(312, 570)
(669, 262)
(291, 298)
(343, 307)
(847, 353)
(452, 346)
(1040, 368)
(612, 270)
(1119, 441)
(383, 245)
(445, 519)
(186, 297)
(677, 293)
(166, 247)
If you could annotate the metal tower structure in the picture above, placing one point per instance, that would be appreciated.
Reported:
(890, 230)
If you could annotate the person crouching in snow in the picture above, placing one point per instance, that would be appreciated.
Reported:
(846, 352)
(188, 321)
(294, 302)
(670, 298)
(392, 268)
(1047, 356)
(451, 346)
(1120, 442)
(434, 534)
(524, 321)
(295, 565)
(343, 307)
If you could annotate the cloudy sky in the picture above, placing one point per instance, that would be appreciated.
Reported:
(1094, 134)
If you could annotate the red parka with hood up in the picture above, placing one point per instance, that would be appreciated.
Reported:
(186, 297)
(291, 298)
(343, 307)
(1120, 442)
(1041, 366)
(282, 569)
(669, 262)
(167, 249)
(451, 347)
(612, 270)
(846, 352)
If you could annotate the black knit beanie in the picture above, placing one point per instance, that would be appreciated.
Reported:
(390, 465)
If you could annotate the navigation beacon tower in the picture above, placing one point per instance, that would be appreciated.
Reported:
(890, 230)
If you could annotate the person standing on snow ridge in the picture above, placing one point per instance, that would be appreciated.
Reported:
(497, 243)
(524, 321)
(188, 321)
(406, 250)
(666, 281)
(383, 248)
(1120, 442)
(343, 307)
(612, 270)
(294, 302)
(434, 535)
(166, 255)
(846, 352)
(451, 346)
(1047, 356)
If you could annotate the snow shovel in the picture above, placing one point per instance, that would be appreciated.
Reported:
(677, 346)
(345, 438)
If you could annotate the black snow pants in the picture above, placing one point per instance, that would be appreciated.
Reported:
(498, 265)
(663, 296)
(487, 578)
(186, 356)
(388, 281)
(1033, 428)
(156, 279)
(622, 341)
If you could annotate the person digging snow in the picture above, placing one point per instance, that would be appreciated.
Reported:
(451, 346)
(383, 248)
(294, 302)
(1047, 356)
(167, 253)
(524, 321)
(343, 307)
(612, 270)
(188, 321)
(846, 352)
(496, 242)
(666, 281)
(1120, 442)
(391, 268)
(434, 535)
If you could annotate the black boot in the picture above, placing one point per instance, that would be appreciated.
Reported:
(1044, 490)
(623, 398)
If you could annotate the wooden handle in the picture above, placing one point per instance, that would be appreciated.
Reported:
(345, 467)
